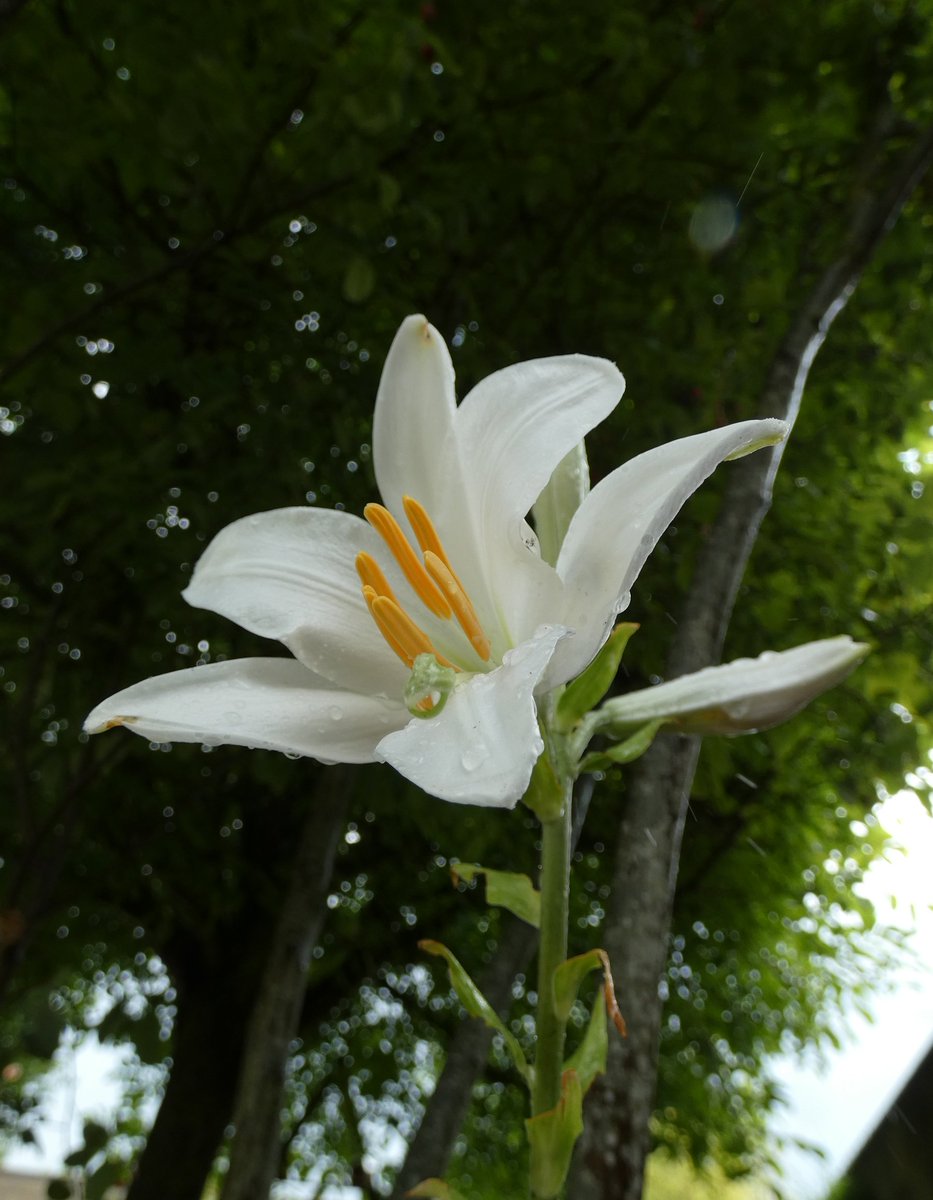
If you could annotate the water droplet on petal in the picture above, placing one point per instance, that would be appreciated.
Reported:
(335, 712)
(472, 756)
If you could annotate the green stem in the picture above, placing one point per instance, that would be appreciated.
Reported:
(552, 951)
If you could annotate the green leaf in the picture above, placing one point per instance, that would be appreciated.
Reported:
(586, 691)
(435, 1189)
(589, 1058)
(571, 973)
(545, 796)
(505, 889)
(59, 1189)
(623, 752)
(552, 1136)
(477, 1005)
(110, 1174)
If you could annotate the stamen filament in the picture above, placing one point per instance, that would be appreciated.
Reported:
(459, 602)
(371, 575)
(390, 531)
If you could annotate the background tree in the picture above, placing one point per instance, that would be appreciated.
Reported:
(213, 224)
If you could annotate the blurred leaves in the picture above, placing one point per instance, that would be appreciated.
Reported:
(222, 215)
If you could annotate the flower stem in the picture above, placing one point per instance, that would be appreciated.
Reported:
(552, 951)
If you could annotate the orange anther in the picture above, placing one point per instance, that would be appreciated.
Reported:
(460, 603)
(390, 531)
(371, 575)
(427, 535)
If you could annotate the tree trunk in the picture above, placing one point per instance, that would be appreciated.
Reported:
(195, 1110)
(274, 1021)
(610, 1159)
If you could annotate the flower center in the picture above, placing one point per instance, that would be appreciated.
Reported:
(432, 578)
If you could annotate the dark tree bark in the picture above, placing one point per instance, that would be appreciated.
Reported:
(240, 988)
(609, 1164)
(209, 1031)
(273, 1023)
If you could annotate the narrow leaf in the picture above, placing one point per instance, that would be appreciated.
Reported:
(623, 752)
(571, 973)
(505, 889)
(589, 1058)
(552, 1136)
(477, 1005)
(586, 691)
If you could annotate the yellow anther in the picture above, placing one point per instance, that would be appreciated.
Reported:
(399, 630)
(371, 575)
(390, 531)
(369, 595)
(427, 535)
(459, 602)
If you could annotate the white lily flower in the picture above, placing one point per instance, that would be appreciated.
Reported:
(741, 696)
(356, 603)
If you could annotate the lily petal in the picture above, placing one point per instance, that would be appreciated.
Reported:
(744, 695)
(481, 749)
(513, 429)
(413, 420)
(619, 524)
(262, 703)
(290, 574)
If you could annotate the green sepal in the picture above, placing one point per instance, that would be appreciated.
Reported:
(545, 796)
(505, 889)
(623, 752)
(552, 1136)
(589, 1058)
(586, 691)
(477, 1005)
(435, 1189)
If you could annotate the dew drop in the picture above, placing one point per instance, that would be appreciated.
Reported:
(472, 756)
(335, 712)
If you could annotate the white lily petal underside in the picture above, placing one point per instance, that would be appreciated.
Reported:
(747, 694)
(512, 431)
(619, 524)
(289, 574)
(262, 703)
(482, 747)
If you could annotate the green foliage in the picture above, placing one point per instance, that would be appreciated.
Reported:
(213, 224)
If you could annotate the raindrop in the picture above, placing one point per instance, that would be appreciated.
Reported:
(471, 758)
(335, 712)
